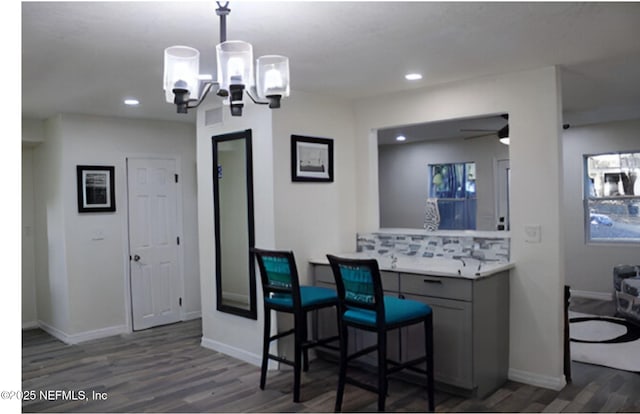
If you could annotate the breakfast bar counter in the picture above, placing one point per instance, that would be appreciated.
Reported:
(470, 302)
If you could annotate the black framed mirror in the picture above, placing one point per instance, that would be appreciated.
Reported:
(234, 224)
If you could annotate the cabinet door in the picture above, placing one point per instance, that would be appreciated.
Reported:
(452, 340)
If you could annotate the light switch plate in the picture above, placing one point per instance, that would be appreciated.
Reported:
(532, 233)
(98, 234)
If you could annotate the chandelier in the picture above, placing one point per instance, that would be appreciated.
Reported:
(184, 87)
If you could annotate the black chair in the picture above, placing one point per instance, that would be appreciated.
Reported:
(283, 293)
(362, 305)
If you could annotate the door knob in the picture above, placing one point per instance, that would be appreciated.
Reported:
(136, 258)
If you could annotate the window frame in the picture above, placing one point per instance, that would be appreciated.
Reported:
(588, 198)
(466, 200)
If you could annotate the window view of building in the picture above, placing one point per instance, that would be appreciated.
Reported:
(612, 197)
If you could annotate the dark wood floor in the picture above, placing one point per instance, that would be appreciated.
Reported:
(165, 369)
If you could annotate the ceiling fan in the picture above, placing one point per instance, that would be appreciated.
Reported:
(500, 133)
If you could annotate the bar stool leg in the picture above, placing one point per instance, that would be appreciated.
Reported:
(297, 358)
(305, 337)
(265, 347)
(382, 369)
(428, 339)
(344, 345)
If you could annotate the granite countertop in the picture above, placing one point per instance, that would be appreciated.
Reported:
(444, 233)
(466, 268)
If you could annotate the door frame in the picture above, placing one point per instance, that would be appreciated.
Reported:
(128, 306)
(497, 191)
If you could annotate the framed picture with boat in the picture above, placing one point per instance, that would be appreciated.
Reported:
(311, 159)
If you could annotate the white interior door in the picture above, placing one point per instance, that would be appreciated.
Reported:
(153, 242)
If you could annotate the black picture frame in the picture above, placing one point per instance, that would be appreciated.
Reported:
(311, 159)
(96, 188)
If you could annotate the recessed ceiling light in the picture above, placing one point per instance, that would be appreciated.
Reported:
(413, 76)
(131, 102)
(401, 138)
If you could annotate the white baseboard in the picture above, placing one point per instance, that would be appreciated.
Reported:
(237, 353)
(608, 296)
(30, 325)
(72, 339)
(55, 332)
(543, 381)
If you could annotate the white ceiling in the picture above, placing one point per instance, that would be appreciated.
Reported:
(86, 57)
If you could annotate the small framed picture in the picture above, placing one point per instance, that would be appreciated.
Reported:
(96, 189)
(311, 159)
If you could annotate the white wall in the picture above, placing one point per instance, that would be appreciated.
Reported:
(314, 219)
(85, 280)
(536, 285)
(589, 266)
(29, 313)
(52, 291)
(234, 335)
(32, 131)
(404, 177)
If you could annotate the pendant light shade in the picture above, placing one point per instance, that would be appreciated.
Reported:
(235, 64)
(181, 69)
(273, 77)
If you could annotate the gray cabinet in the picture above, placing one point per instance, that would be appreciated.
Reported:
(452, 339)
(471, 327)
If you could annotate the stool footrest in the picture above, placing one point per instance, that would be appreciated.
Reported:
(322, 343)
(362, 352)
(281, 359)
(361, 384)
(281, 334)
(399, 366)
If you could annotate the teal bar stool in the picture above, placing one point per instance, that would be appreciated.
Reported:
(362, 305)
(283, 293)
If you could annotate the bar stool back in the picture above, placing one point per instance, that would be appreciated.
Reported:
(283, 293)
(362, 305)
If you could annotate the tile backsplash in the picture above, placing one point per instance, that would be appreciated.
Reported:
(421, 246)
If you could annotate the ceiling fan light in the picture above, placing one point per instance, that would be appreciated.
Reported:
(272, 76)
(235, 64)
(181, 66)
